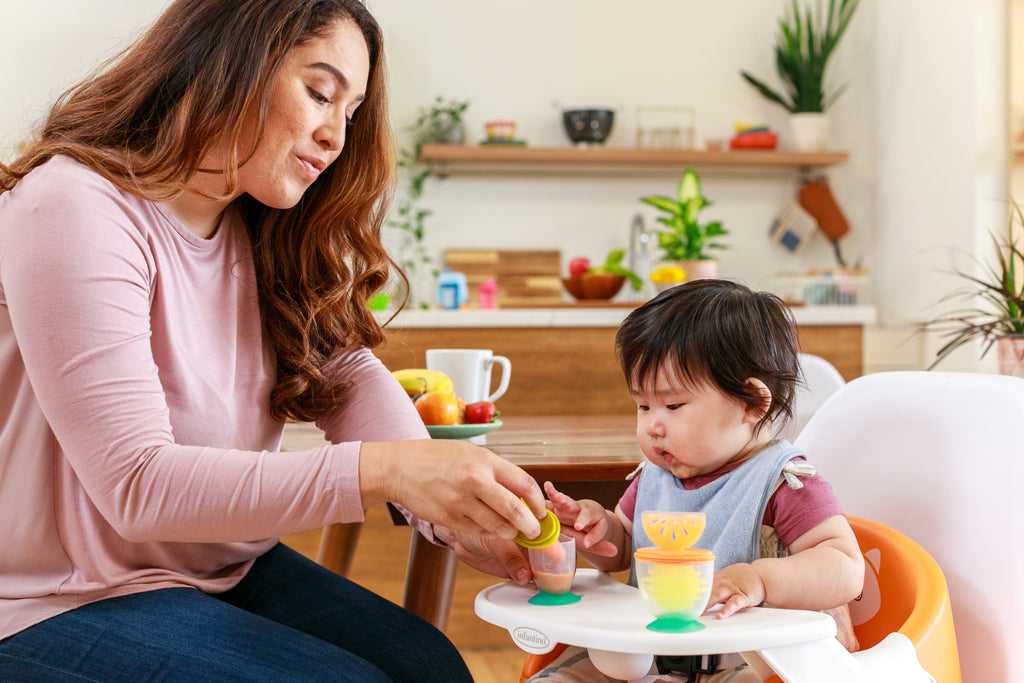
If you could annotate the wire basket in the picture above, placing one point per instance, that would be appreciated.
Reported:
(834, 287)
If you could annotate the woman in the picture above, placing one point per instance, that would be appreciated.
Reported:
(185, 256)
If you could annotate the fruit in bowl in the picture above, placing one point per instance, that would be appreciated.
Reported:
(438, 408)
(579, 266)
(418, 381)
(433, 395)
(601, 282)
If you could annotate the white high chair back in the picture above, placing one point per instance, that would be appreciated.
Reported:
(819, 380)
(940, 457)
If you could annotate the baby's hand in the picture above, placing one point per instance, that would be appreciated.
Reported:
(584, 520)
(738, 586)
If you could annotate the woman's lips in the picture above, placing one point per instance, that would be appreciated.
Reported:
(312, 166)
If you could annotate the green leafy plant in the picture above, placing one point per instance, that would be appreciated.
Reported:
(686, 239)
(993, 301)
(440, 122)
(434, 123)
(802, 50)
(613, 266)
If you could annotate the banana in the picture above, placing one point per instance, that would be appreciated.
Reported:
(420, 381)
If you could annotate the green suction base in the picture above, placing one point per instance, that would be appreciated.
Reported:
(545, 598)
(675, 625)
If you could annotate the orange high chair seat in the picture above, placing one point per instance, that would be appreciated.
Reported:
(905, 601)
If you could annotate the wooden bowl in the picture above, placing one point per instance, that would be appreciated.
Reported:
(594, 285)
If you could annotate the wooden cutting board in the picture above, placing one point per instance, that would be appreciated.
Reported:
(525, 277)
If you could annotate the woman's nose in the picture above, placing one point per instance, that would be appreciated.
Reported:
(331, 135)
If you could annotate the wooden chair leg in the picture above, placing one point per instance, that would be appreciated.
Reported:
(430, 581)
(338, 546)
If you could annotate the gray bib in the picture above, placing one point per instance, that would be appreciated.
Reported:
(733, 503)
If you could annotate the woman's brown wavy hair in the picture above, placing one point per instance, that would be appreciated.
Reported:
(148, 119)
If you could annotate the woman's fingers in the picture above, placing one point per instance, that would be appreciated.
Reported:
(499, 557)
(461, 486)
(522, 486)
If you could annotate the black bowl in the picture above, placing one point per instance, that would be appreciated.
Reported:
(588, 125)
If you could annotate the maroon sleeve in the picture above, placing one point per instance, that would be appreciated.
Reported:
(794, 512)
(628, 501)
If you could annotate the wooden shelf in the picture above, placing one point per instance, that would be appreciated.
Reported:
(497, 158)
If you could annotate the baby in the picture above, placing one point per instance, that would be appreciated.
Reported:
(712, 367)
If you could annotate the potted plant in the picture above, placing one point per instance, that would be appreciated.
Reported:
(993, 311)
(435, 123)
(441, 122)
(685, 240)
(802, 51)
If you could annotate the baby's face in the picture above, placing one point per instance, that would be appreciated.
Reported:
(690, 429)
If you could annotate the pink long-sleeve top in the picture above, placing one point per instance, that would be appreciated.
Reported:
(136, 447)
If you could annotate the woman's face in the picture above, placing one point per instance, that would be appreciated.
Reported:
(313, 97)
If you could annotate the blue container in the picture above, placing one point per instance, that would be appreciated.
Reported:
(452, 290)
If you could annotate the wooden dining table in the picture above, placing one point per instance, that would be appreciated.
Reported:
(585, 456)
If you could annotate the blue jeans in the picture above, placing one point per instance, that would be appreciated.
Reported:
(288, 620)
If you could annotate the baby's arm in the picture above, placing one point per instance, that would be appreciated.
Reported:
(601, 535)
(825, 570)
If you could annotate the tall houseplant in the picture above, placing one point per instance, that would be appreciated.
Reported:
(442, 121)
(993, 307)
(803, 47)
(685, 240)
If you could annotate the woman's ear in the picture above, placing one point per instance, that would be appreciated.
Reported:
(753, 413)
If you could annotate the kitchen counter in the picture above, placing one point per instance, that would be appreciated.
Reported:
(593, 317)
(563, 359)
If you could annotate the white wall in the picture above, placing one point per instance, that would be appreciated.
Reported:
(48, 46)
(924, 119)
(601, 53)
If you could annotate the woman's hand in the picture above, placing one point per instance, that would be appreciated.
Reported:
(495, 556)
(452, 484)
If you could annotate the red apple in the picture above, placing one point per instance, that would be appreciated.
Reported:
(579, 266)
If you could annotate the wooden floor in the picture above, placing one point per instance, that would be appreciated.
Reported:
(379, 565)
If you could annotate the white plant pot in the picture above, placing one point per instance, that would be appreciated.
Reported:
(808, 131)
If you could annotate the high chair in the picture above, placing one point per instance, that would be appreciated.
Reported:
(903, 617)
(937, 455)
(819, 379)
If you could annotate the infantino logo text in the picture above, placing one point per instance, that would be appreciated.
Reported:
(529, 638)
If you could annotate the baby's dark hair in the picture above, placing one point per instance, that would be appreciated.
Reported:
(716, 332)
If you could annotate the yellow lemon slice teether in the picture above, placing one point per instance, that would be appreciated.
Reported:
(673, 530)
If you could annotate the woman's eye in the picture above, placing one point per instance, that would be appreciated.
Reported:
(673, 406)
(317, 97)
(642, 409)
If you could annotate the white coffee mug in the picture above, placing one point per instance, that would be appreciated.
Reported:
(470, 372)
